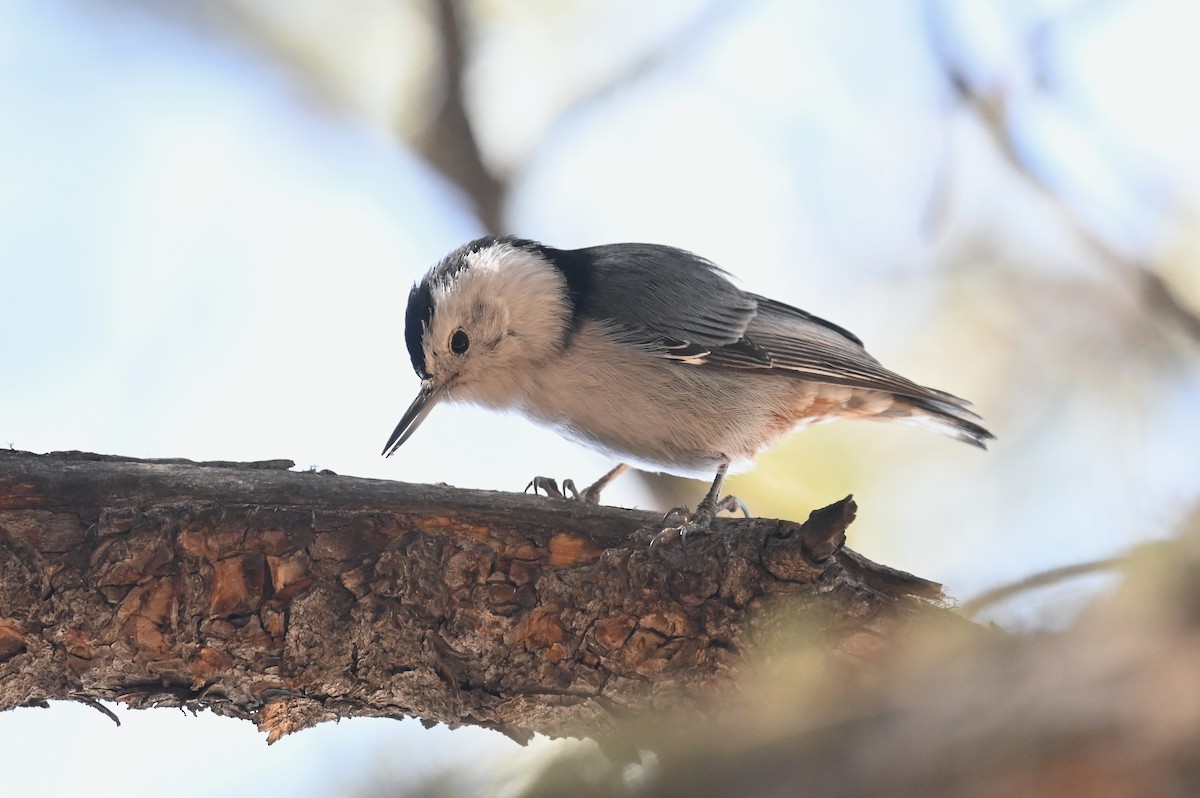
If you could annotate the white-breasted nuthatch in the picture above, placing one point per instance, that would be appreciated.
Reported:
(648, 353)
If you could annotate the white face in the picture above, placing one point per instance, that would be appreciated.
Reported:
(506, 312)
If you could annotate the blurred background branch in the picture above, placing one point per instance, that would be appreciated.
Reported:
(991, 101)
(449, 143)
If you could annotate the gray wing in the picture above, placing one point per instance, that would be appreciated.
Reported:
(677, 305)
(819, 350)
(673, 304)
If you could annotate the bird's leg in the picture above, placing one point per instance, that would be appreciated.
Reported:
(706, 511)
(589, 495)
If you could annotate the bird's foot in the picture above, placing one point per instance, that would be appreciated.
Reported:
(548, 486)
(589, 495)
(698, 521)
(568, 492)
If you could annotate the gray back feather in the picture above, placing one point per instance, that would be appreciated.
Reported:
(668, 301)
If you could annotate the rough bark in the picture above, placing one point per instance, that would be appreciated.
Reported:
(289, 598)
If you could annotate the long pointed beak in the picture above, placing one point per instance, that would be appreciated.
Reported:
(426, 399)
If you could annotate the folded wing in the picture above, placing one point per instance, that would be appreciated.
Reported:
(676, 305)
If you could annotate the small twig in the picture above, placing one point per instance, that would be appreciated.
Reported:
(1042, 579)
(96, 705)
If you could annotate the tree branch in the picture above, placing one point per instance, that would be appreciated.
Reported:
(289, 598)
(451, 144)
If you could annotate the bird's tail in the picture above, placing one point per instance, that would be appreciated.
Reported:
(940, 412)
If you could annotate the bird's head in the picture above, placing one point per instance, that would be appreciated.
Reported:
(478, 323)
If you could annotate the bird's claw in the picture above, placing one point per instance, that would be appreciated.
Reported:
(666, 535)
(589, 495)
(698, 521)
(732, 504)
(681, 513)
(548, 486)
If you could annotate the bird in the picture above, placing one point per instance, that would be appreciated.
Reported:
(648, 353)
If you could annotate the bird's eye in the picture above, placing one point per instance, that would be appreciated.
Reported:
(459, 342)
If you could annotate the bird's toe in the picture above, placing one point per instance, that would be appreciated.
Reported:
(547, 486)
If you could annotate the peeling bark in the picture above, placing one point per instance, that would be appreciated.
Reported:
(289, 598)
